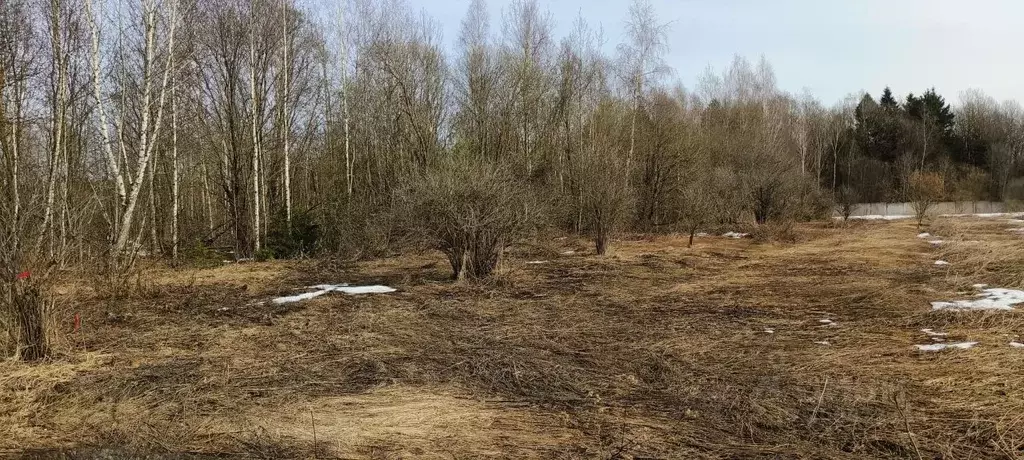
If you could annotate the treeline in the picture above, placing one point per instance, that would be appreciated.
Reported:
(175, 126)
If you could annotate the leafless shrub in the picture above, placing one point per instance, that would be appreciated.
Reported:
(925, 189)
(815, 203)
(469, 210)
(846, 199)
(782, 232)
(771, 197)
(700, 206)
(606, 199)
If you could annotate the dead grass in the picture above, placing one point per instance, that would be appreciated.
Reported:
(656, 351)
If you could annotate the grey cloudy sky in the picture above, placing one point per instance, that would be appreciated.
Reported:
(830, 47)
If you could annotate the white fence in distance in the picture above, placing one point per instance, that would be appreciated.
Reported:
(947, 207)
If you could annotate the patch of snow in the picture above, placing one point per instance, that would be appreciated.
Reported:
(535, 262)
(827, 322)
(354, 290)
(929, 332)
(1016, 344)
(935, 243)
(701, 235)
(568, 253)
(298, 297)
(989, 299)
(1016, 230)
(1015, 221)
(979, 286)
(880, 217)
(823, 342)
(943, 346)
(769, 331)
(735, 235)
(322, 289)
(924, 235)
(941, 262)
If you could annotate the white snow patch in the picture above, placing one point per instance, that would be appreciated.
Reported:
(568, 253)
(929, 332)
(943, 346)
(935, 243)
(941, 262)
(701, 235)
(322, 289)
(924, 235)
(979, 286)
(353, 290)
(823, 342)
(298, 297)
(989, 299)
(769, 331)
(735, 235)
(535, 262)
(880, 217)
(1016, 344)
(1016, 230)
(827, 322)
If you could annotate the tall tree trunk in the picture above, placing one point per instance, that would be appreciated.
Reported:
(349, 157)
(154, 243)
(207, 197)
(255, 130)
(174, 170)
(286, 126)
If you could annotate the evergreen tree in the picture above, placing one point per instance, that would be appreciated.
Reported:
(879, 131)
(888, 101)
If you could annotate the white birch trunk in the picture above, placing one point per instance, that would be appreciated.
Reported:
(286, 128)
(255, 131)
(174, 169)
(349, 158)
(149, 129)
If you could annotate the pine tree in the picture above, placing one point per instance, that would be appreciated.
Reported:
(888, 101)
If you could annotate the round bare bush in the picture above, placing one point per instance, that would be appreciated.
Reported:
(470, 211)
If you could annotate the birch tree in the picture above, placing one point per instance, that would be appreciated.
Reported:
(641, 61)
(128, 175)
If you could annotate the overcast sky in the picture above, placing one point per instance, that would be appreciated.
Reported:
(831, 47)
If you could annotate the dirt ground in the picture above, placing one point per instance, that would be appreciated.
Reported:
(656, 351)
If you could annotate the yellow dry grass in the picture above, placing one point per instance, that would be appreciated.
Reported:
(657, 351)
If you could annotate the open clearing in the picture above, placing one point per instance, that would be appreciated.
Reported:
(731, 349)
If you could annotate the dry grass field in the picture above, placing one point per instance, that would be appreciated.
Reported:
(656, 351)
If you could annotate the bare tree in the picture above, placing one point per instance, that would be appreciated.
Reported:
(641, 60)
(606, 199)
(153, 86)
(527, 53)
(926, 189)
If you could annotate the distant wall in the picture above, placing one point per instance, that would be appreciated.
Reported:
(948, 207)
